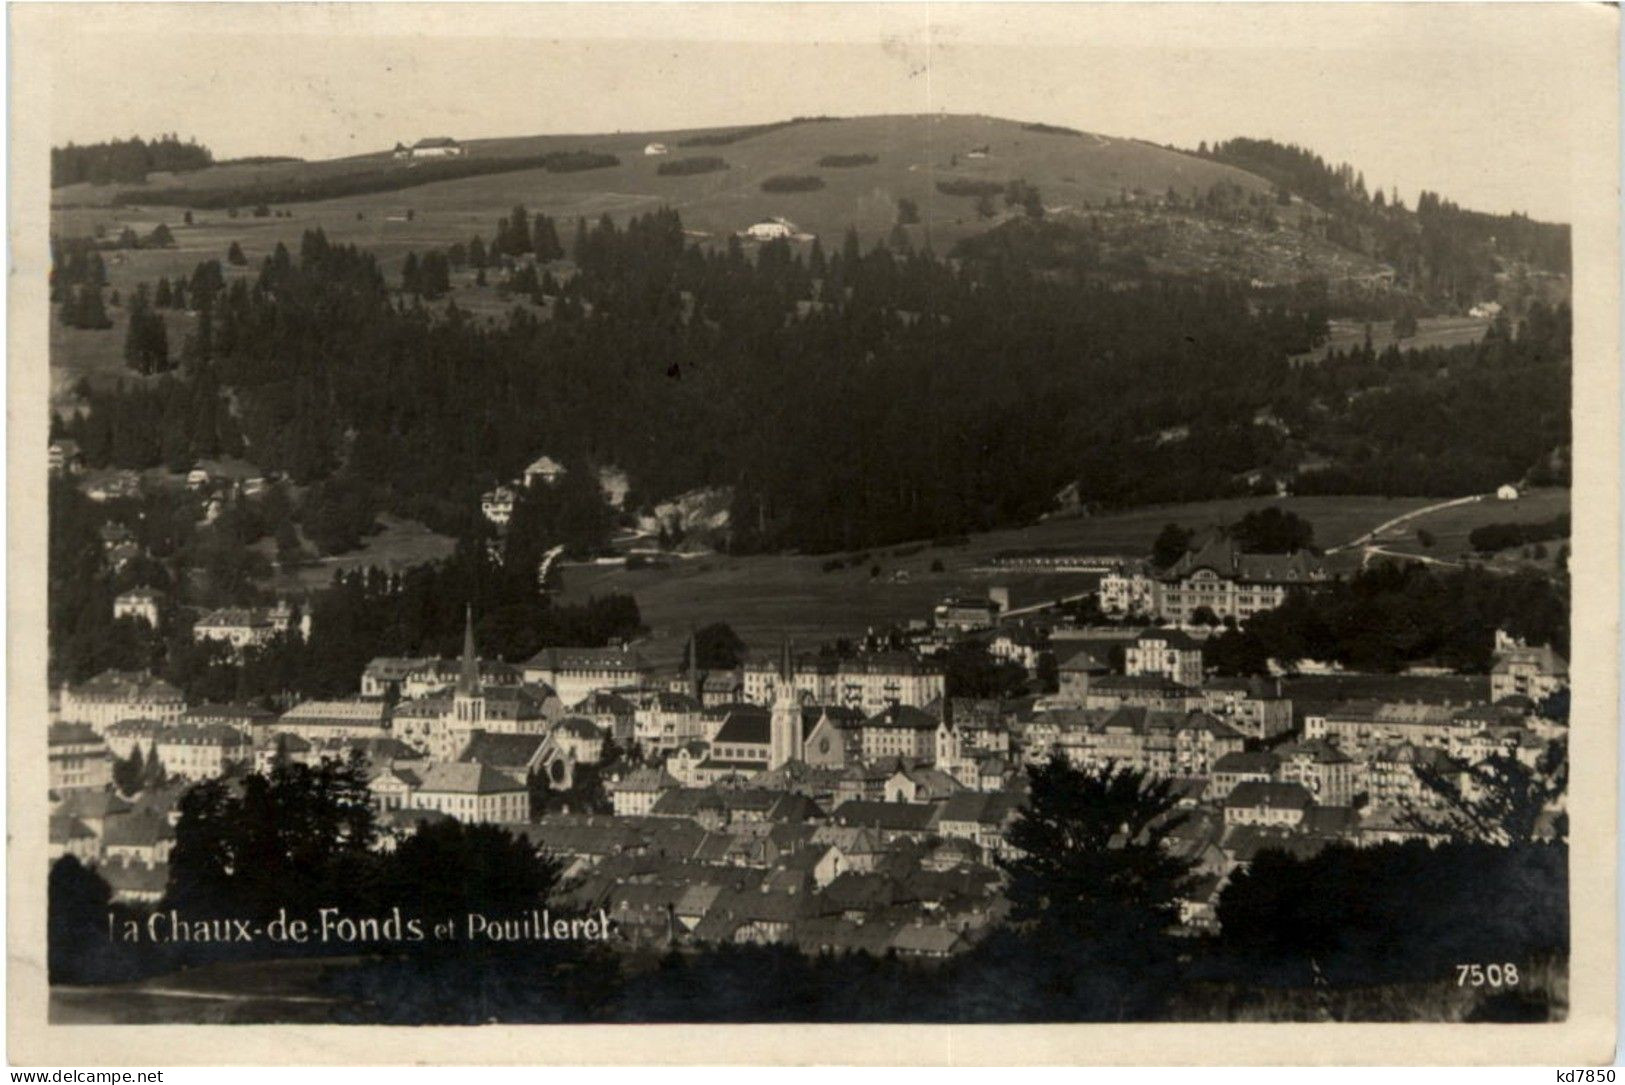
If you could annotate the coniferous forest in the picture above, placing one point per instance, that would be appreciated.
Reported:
(848, 398)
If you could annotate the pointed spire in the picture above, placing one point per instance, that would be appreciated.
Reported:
(468, 681)
(787, 669)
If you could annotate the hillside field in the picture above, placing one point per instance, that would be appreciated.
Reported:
(914, 153)
(765, 598)
(1450, 527)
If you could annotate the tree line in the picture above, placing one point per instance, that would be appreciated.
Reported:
(126, 160)
(1390, 615)
(297, 187)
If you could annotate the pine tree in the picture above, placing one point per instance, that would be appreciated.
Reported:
(235, 257)
(518, 231)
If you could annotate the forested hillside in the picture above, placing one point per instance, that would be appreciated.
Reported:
(849, 398)
(1438, 249)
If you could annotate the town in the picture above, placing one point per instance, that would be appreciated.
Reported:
(838, 801)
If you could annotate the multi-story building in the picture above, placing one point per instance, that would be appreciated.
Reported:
(497, 505)
(1129, 588)
(1277, 805)
(318, 720)
(472, 793)
(573, 673)
(1250, 705)
(1241, 767)
(899, 730)
(1220, 579)
(79, 758)
(1326, 772)
(613, 713)
(384, 676)
(1357, 727)
(1077, 671)
(243, 627)
(1522, 671)
(966, 614)
(438, 675)
(121, 695)
(636, 793)
(1168, 652)
(1141, 691)
(663, 720)
(868, 683)
(138, 603)
(1160, 743)
(202, 752)
(1398, 776)
(257, 722)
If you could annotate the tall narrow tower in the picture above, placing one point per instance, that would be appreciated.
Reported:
(785, 723)
(695, 687)
(468, 701)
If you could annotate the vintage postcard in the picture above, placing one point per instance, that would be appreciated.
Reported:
(1097, 523)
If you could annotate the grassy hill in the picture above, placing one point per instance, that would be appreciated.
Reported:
(914, 153)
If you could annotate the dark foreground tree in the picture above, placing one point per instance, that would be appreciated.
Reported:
(79, 906)
(297, 837)
(1094, 893)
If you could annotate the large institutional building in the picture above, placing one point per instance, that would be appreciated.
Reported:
(1218, 578)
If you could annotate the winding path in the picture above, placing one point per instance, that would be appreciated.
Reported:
(1389, 525)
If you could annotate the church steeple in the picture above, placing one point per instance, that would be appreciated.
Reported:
(468, 679)
(785, 725)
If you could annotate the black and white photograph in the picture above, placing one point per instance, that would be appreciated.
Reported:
(815, 514)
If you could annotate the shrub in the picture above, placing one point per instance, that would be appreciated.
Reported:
(685, 167)
(847, 161)
(965, 186)
(1051, 129)
(792, 183)
(722, 139)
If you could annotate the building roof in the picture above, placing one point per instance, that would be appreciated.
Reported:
(1224, 557)
(578, 727)
(894, 816)
(141, 829)
(92, 805)
(1248, 761)
(242, 714)
(500, 750)
(72, 734)
(745, 725)
(235, 618)
(355, 710)
(116, 685)
(645, 779)
(903, 716)
(603, 702)
(1084, 660)
(1172, 637)
(434, 141)
(467, 778)
(982, 807)
(134, 877)
(1268, 794)
(586, 659)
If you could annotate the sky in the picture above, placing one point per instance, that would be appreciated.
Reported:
(1466, 100)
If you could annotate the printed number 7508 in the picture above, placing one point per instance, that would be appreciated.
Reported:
(1486, 975)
